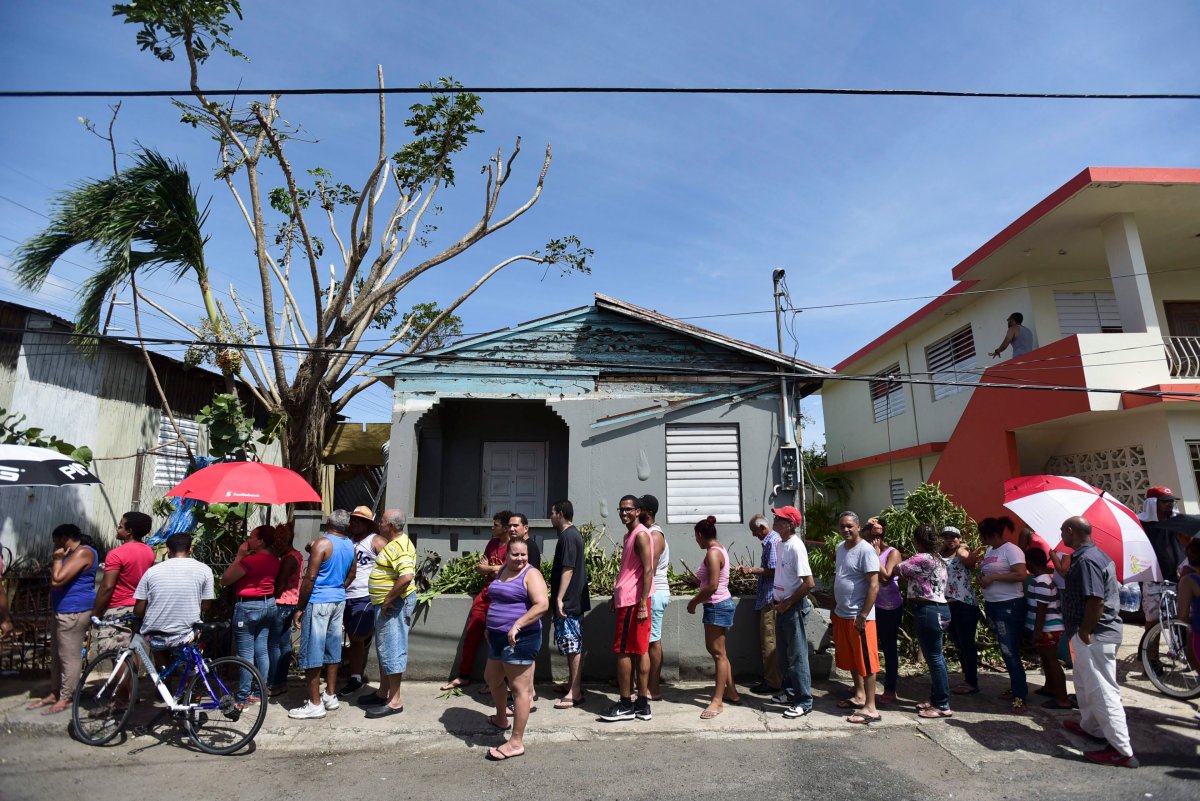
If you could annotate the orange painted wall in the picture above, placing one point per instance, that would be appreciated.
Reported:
(982, 452)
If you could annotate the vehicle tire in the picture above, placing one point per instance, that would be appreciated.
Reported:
(97, 713)
(1166, 662)
(215, 721)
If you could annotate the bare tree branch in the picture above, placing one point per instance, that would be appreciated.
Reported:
(341, 402)
(137, 323)
(190, 329)
(262, 379)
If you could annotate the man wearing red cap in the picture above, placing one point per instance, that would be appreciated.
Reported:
(1159, 506)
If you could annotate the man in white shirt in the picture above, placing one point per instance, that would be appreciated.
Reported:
(792, 582)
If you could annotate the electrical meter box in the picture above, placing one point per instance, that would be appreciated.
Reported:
(789, 468)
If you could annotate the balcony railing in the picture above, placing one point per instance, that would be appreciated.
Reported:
(1183, 356)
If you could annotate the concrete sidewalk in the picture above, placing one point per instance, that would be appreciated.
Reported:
(981, 730)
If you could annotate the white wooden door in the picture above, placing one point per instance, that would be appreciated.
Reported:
(514, 478)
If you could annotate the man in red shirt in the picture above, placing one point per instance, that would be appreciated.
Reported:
(123, 569)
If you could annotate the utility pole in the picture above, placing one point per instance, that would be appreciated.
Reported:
(790, 464)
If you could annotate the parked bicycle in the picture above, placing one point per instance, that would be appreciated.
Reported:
(220, 702)
(1164, 652)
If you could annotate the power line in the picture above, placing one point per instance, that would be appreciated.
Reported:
(602, 90)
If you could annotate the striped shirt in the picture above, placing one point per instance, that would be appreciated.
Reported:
(173, 590)
(398, 558)
(1041, 590)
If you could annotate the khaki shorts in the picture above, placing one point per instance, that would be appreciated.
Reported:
(106, 639)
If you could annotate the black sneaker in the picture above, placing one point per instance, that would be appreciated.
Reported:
(352, 686)
(641, 709)
(762, 688)
(621, 711)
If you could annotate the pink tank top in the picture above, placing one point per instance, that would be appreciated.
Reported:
(628, 587)
(722, 578)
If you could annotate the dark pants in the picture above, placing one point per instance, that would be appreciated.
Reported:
(964, 624)
(887, 629)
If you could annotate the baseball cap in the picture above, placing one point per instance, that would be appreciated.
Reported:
(1161, 493)
(364, 513)
(790, 513)
(952, 530)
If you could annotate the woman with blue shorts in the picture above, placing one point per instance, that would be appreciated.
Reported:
(713, 593)
(518, 600)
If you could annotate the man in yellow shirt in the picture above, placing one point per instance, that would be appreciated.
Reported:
(393, 595)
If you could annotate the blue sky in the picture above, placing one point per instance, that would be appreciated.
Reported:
(688, 201)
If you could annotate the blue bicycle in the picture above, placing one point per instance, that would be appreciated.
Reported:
(221, 702)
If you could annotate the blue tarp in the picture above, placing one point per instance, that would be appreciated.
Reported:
(181, 520)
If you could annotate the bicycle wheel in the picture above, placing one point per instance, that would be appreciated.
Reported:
(215, 721)
(102, 703)
(1166, 661)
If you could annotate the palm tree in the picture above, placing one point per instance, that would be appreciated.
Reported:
(146, 217)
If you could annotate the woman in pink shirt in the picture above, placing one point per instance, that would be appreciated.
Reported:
(713, 578)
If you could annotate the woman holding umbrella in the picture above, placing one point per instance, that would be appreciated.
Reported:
(72, 595)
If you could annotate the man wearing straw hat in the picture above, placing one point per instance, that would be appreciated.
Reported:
(359, 620)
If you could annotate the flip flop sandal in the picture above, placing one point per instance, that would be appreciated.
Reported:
(709, 714)
(569, 703)
(863, 718)
(496, 755)
(492, 720)
(41, 702)
(846, 703)
(455, 684)
(923, 706)
(934, 713)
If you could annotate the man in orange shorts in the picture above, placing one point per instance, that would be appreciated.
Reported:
(855, 585)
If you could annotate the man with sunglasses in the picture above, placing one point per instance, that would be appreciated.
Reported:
(631, 604)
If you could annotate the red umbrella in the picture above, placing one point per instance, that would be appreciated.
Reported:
(246, 482)
(1044, 502)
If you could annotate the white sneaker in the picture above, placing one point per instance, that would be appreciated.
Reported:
(309, 711)
(331, 702)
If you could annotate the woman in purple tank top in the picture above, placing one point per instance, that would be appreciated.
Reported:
(713, 582)
(889, 606)
(518, 600)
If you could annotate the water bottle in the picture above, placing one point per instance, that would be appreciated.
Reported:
(1131, 597)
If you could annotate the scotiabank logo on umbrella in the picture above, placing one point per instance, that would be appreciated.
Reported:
(232, 494)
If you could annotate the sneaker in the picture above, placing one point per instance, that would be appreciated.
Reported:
(1018, 706)
(349, 688)
(307, 712)
(796, 711)
(1110, 756)
(619, 711)
(330, 702)
(782, 697)
(641, 709)
(1074, 727)
(762, 688)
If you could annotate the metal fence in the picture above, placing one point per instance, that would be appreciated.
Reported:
(28, 588)
(1183, 356)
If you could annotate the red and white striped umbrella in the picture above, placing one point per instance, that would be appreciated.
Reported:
(1044, 502)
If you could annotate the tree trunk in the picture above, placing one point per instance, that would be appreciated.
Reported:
(309, 408)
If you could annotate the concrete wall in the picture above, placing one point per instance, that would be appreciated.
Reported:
(606, 463)
(435, 640)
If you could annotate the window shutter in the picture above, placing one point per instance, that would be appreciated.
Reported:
(887, 397)
(1087, 313)
(704, 475)
(171, 459)
(896, 488)
(952, 359)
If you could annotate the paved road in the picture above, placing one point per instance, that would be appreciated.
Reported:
(894, 764)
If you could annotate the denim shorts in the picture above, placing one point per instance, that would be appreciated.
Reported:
(720, 613)
(529, 642)
(391, 634)
(321, 635)
(658, 605)
(568, 634)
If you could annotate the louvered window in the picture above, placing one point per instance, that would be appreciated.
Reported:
(952, 360)
(896, 489)
(171, 459)
(887, 397)
(704, 474)
(1087, 313)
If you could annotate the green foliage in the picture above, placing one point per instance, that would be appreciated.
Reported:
(12, 432)
(196, 24)
(421, 316)
(568, 253)
(440, 128)
(219, 532)
(926, 504)
(456, 577)
(231, 432)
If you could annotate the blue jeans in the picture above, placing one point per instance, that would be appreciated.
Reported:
(887, 630)
(279, 646)
(251, 628)
(964, 625)
(1008, 621)
(931, 622)
(792, 646)
(391, 634)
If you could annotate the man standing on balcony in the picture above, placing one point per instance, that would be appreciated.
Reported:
(1020, 337)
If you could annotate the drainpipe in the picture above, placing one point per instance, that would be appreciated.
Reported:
(790, 462)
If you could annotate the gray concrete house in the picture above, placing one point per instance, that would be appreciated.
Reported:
(591, 404)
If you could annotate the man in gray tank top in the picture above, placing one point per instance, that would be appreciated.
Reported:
(1020, 337)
